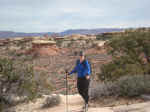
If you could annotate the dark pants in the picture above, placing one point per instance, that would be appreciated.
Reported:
(83, 87)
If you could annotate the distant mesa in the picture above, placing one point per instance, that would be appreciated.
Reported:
(11, 34)
(89, 31)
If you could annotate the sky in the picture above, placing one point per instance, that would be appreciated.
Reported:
(60, 15)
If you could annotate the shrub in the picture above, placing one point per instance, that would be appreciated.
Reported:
(102, 90)
(18, 79)
(121, 67)
(133, 85)
(43, 80)
(51, 101)
(59, 42)
(127, 86)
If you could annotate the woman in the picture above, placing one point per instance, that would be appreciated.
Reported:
(83, 70)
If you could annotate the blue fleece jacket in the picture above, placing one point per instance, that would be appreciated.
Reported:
(82, 69)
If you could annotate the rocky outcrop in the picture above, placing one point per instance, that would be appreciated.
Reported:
(80, 37)
(42, 43)
(44, 47)
(4, 42)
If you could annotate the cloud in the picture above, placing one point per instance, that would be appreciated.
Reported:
(59, 15)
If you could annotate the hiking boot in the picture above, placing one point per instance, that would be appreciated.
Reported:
(86, 108)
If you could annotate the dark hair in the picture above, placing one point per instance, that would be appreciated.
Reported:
(81, 53)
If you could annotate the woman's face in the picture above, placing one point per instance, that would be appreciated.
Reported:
(82, 58)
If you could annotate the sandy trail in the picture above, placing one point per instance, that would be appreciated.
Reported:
(75, 104)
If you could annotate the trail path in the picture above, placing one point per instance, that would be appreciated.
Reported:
(75, 105)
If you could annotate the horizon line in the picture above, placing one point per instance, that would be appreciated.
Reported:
(76, 29)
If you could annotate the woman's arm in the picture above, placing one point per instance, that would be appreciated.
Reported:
(74, 69)
(87, 70)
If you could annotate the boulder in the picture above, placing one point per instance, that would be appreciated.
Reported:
(99, 44)
(59, 38)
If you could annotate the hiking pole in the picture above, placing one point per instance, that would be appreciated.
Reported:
(1, 68)
(66, 90)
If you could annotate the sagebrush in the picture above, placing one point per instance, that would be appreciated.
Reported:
(126, 86)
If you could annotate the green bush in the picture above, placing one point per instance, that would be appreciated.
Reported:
(128, 52)
(102, 37)
(121, 67)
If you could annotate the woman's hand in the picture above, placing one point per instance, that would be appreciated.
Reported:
(67, 72)
(87, 77)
